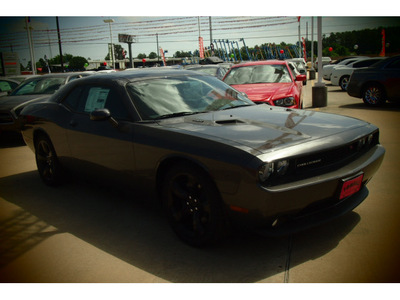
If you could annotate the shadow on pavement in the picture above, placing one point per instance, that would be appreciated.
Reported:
(389, 106)
(11, 139)
(137, 232)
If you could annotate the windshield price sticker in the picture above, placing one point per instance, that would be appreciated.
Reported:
(351, 186)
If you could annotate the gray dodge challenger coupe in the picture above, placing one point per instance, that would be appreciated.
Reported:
(214, 159)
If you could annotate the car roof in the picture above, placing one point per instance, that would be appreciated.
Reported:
(134, 75)
(260, 62)
(68, 74)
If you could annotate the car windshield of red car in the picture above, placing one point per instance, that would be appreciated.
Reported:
(258, 74)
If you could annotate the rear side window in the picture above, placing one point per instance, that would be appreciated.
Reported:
(72, 99)
(7, 85)
(394, 64)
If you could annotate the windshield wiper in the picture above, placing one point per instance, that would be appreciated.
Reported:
(178, 114)
(236, 106)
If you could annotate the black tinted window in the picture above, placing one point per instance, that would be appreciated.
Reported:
(365, 63)
(72, 99)
(394, 64)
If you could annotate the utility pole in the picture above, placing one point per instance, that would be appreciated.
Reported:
(59, 45)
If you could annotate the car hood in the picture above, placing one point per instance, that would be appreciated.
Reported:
(262, 128)
(265, 91)
(9, 102)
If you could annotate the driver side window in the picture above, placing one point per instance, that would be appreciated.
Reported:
(85, 99)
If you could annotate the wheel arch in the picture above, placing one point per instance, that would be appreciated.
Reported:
(39, 132)
(373, 82)
(166, 164)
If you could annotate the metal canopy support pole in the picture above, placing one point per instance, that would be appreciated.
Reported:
(312, 70)
(319, 90)
(33, 63)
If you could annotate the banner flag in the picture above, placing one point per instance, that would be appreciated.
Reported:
(201, 47)
(163, 57)
(383, 52)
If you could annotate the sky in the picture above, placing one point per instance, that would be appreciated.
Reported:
(88, 35)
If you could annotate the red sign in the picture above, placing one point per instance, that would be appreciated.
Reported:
(351, 187)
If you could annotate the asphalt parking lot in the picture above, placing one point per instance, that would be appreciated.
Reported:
(81, 232)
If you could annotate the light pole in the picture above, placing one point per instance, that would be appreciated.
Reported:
(110, 21)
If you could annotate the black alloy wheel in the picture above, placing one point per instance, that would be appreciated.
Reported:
(374, 95)
(193, 206)
(47, 162)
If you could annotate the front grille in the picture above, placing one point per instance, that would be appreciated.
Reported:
(6, 118)
(325, 161)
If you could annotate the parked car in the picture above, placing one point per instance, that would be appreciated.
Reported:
(212, 156)
(377, 83)
(326, 60)
(327, 69)
(298, 67)
(32, 89)
(341, 76)
(270, 81)
(218, 71)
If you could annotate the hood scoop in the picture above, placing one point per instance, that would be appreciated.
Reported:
(230, 122)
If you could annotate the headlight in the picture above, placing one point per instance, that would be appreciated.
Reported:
(288, 101)
(281, 167)
(265, 171)
(273, 169)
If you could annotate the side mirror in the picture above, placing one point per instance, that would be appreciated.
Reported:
(301, 77)
(100, 115)
(103, 115)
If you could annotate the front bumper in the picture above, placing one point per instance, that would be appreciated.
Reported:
(305, 203)
(9, 122)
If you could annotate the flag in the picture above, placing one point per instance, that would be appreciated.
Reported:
(201, 47)
(163, 56)
(383, 52)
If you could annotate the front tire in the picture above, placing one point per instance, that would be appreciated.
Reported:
(47, 162)
(374, 95)
(193, 205)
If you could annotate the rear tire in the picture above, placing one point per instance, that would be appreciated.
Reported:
(344, 82)
(193, 205)
(374, 95)
(47, 162)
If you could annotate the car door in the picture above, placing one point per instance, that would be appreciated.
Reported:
(100, 149)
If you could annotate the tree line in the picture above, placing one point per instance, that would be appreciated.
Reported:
(335, 45)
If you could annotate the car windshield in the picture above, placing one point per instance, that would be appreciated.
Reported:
(39, 85)
(211, 71)
(158, 98)
(258, 74)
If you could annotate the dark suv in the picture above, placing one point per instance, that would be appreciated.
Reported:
(377, 83)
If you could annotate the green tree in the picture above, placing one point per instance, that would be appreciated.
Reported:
(152, 55)
(141, 55)
(77, 63)
(183, 54)
(57, 59)
(118, 53)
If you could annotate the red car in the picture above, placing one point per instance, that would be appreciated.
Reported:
(271, 82)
